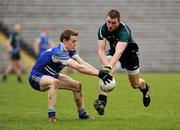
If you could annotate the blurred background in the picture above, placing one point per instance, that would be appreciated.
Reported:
(155, 26)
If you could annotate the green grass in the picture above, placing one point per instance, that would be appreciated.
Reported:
(22, 108)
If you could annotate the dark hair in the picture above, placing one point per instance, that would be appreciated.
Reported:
(66, 34)
(114, 14)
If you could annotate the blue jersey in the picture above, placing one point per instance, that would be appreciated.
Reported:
(53, 60)
(43, 43)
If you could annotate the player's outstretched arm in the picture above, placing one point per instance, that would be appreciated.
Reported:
(83, 68)
(90, 71)
(81, 61)
(120, 47)
(101, 52)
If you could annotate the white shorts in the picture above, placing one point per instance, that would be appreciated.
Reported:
(129, 72)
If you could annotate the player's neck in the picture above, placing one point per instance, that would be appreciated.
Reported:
(65, 46)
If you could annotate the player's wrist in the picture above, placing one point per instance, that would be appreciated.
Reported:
(108, 67)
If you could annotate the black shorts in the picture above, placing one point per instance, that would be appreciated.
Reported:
(129, 59)
(15, 56)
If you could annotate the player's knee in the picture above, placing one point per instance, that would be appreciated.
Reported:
(135, 85)
(78, 87)
(54, 84)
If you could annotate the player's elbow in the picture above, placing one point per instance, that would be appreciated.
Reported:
(101, 52)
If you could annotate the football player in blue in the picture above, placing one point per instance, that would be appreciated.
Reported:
(43, 42)
(45, 73)
(123, 51)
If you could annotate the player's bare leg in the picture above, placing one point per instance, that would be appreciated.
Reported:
(68, 83)
(17, 68)
(137, 82)
(100, 103)
(50, 83)
(7, 71)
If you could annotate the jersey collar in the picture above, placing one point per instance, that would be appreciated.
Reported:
(62, 47)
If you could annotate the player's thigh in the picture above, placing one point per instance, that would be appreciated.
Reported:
(10, 66)
(66, 82)
(47, 81)
(16, 64)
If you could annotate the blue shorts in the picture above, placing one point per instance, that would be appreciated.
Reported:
(34, 80)
(35, 77)
(15, 56)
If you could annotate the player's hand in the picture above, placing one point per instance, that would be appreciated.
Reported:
(107, 68)
(105, 77)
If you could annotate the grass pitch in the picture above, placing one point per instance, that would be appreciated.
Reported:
(22, 108)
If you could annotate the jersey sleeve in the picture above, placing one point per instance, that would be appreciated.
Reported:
(73, 54)
(10, 37)
(100, 33)
(62, 57)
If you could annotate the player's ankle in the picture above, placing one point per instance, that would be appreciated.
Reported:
(51, 113)
(4, 77)
(103, 98)
(19, 78)
(145, 89)
(82, 113)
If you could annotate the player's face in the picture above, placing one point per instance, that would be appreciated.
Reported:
(17, 28)
(72, 43)
(47, 30)
(112, 24)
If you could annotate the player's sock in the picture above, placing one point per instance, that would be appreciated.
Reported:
(83, 115)
(103, 98)
(51, 112)
(4, 78)
(145, 89)
(146, 95)
(52, 115)
(100, 104)
(19, 79)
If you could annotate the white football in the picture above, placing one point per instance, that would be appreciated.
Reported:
(108, 87)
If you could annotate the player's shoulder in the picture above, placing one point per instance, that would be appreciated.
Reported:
(103, 28)
(42, 34)
(124, 27)
(59, 51)
(12, 34)
(103, 31)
